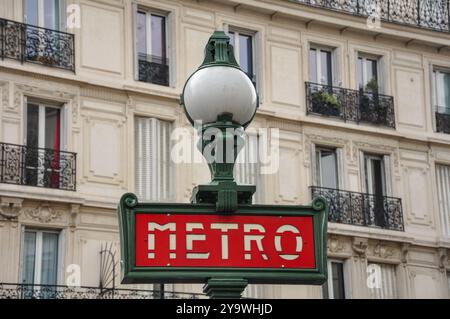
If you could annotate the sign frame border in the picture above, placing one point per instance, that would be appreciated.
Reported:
(132, 274)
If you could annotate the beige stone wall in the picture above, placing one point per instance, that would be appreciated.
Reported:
(103, 98)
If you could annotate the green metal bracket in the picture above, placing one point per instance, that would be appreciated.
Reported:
(223, 191)
(225, 288)
(219, 51)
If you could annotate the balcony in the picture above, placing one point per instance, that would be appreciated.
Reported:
(29, 291)
(427, 14)
(350, 105)
(153, 69)
(28, 43)
(362, 209)
(443, 119)
(23, 165)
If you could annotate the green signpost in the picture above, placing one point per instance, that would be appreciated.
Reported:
(221, 239)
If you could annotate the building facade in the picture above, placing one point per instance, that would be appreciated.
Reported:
(356, 94)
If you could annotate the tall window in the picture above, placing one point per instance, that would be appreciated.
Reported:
(243, 44)
(367, 72)
(44, 13)
(443, 188)
(334, 288)
(383, 281)
(40, 258)
(152, 47)
(153, 173)
(376, 185)
(320, 66)
(375, 175)
(441, 91)
(43, 140)
(327, 167)
(248, 167)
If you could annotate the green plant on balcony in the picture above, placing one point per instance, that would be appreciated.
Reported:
(326, 103)
(369, 103)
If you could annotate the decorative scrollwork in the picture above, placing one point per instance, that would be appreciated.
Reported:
(153, 69)
(42, 167)
(129, 199)
(443, 120)
(28, 43)
(362, 209)
(350, 105)
(428, 14)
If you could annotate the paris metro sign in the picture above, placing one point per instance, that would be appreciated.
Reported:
(189, 243)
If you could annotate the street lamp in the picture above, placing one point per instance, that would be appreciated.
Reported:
(220, 100)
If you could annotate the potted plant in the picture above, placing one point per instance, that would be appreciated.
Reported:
(326, 103)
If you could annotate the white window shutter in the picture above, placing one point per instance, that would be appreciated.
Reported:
(153, 180)
(388, 283)
(443, 188)
(248, 167)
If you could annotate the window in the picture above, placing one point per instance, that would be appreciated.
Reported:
(375, 177)
(44, 140)
(243, 44)
(334, 288)
(376, 185)
(367, 72)
(441, 91)
(152, 47)
(327, 168)
(40, 258)
(443, 193)
(45, 13)
(320, 66)
(383, 284)
(248, 166)
(153, 172)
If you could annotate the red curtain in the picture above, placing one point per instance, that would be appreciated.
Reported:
(56, 153)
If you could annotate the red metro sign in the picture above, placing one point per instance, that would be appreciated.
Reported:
(191, 243)
(168, 240)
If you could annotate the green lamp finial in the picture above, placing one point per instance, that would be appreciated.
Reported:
(219, 51)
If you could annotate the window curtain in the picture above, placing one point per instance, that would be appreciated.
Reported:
(443, 188)
(153, 169)
(248, 167)
(55, 166)
(388, 283)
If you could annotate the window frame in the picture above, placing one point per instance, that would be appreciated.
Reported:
(330, 284)
(333, 68)
(169, 34)
(378, 59)
(60, 12)
(236, 45)
(386, 160)
(38, 253)
(318, 170)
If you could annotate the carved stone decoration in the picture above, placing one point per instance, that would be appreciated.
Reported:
(359, 246)
(43, 213)
(404, 253)
(335, 245)
(443, 259)
(383, 251)
(10, 207)
(74, 211)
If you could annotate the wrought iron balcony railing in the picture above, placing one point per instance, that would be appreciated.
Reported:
(28, 43)
(428, 14)
(362, 209)
(153, 69)
(350, 105)
(30, 291)
(23, 165)
(443, 119)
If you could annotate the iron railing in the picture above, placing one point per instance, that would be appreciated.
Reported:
(427, 14)
(43, 167)
(31, 291)
(29, 43)
(443, 119)
(350, 105)
(362, 209)
(153, 69)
